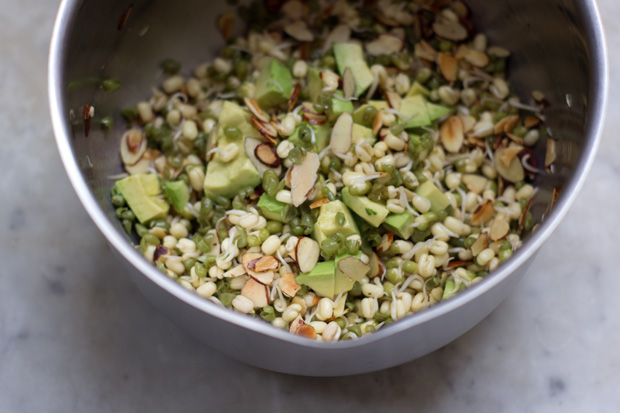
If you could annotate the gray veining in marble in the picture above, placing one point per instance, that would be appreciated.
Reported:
(75, 335)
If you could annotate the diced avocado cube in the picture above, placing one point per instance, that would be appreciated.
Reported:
(320, 279)
(400, 224)
(436, 111)
(362, 133)
(351, 55)
(141, 193)
(177, 193)
(274, 85)
(438, 200)
(338, 107)
(358, 115)
(418, 89)
(342, 283)
(370, 211)
(228, 178)
(315, 84)
(322, 134)
(327, 223)
(415, 107)
(271, 207)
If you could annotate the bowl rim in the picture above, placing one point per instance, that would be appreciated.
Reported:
(598, 101)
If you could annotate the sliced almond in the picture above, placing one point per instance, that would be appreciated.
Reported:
(550, 155)
(483, 213)
(133, 146)
(449, 30)
(266, 153)
(342, 134)
(299, 31)
(498, 51)
(377, 269)
(226, 25)
(256, 292)
(303, 178)
(265, 278)
(377, 123)
(308, 107)
(252, 105)
(425, 51)
(266, 129)
(476, 58)
(308, 252)
(251, 146)
(246, 259)
(267, 263)
(348, 83)
(296, 323)
(292, 101)
(288, 285)
(448, 65)
(385, 44)
(314, 119)
(353, 268)
(531, 121)
(475, 183)
(236, 271)
(287, 177)
(452, 135)
(513, 172)
(468, 123)
(319, 203)
(480, 244)
(306, 331)
(508, 154)
(386, 242)
(139, 168)
(515, 138)
(341, 34)
(393, 99)
(499, 229)
(506, 124)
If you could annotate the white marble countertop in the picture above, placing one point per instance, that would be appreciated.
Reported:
(76, 335)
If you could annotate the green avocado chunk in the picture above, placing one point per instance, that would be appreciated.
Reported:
(274, 85)
(229, 178)
(327, 223)
(338, 107)
(320, 279)
(177, 193)
(141, 193)
(421, 112)
(418, 89)
(428, 190)
(351, 55)
(322, 134)
(400, 224)
(372, 212)
(271, 207)
(436, 111)
(362, 133)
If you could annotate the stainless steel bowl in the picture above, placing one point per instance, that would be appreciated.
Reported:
(558, 48)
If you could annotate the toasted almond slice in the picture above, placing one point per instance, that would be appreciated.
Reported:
(266, 153)
(236, 271)
(252, 105)
(314, 119)
(481, 243)
(514, 171)
(450, 30)
(296, 324)
(482, 213)
(267, 263)
(353, 268)
(306, 331)
(377, 123)
(292, 100)
(550, 155)
(515, 138)
(287, 177)
(385, 44)
(139, 168)
(538, 96)
(386, 242)
(475, 183)
(246, 259)
(508, 154)
(299, 31)
(499, 229)
(448, 65)
(348, 83)
(288, 285)
(226, 25)
(308, 252)
(319, 203)
(393, 99)
(256, 292)
(506, 124)
(341, 34)
(531, 121)
(265, 278)
(265, 129)
(251, 146)
(303, 178)
(476, 58)
(468, 123)
(342, 134)
(133, 146)
(451, 133)
(308, 107)
(425, 51)
(377, 269)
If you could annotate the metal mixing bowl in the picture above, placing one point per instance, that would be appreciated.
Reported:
(558, 48)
